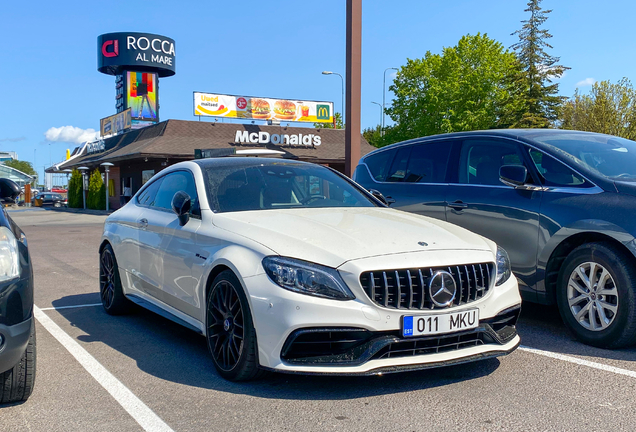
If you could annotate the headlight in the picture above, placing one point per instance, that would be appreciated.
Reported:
(9, 255)
(503, 266)
(307, 278)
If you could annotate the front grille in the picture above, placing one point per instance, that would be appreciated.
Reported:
(408, 288)
(409, 348)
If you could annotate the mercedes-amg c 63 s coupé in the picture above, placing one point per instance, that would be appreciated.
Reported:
(292, 267)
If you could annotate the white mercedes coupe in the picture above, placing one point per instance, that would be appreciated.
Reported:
(291, 267)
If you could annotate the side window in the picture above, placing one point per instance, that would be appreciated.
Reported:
(555, 173)
(173, 183)
(480, 160)
(147, 196)
(379, 164)
(397, 173)
(428, 163)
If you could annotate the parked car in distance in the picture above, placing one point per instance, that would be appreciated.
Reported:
(292, 267)
(51, 199)
(560, 202)
(17, 326)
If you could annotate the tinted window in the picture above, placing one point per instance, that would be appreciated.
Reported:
(397, 173)
(147, 196)
(480, 161)
(243, 187)
(428, 162)
(555, 173)
(173, 183)
(379, 164)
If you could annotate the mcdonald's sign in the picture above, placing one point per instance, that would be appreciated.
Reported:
(259, 108)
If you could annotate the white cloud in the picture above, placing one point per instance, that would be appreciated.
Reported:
(586, 82)
(71, 134)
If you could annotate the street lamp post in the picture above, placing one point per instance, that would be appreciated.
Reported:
(107, 166)
(83, 170)
(381, 110)
(342, 100)
(384, 96)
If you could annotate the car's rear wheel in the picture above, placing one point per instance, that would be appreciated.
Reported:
(57, 204)
(597, 295)
(113, 299)
(17, 383)
(230, 331)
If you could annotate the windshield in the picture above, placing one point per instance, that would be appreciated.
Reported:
(279, 186)
(608, 155)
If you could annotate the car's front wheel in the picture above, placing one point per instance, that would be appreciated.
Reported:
(230, 331)
(17, 383)
(113, 299)
(597, 295)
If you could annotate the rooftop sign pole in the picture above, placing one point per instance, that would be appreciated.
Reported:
(354, 58)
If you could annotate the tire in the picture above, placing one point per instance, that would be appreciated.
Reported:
(606, 305)
(110, 291)
(230, 333)
(16, 384)
(57, 205)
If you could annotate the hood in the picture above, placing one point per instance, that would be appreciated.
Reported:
(624, 187)
(333, 236)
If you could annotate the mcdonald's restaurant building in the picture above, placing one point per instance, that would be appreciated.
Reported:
(141, 153)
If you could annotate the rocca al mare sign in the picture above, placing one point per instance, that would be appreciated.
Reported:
(246, 137)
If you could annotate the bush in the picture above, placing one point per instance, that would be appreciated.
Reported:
(96, 192)
(75, 190)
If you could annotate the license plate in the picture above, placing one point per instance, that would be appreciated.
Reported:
(424, 325)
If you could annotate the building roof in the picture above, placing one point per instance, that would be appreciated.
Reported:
(177, 139)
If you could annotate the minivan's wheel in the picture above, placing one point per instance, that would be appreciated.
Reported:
(111, 293)
(17, 383)
(597, 295)
(230, 332)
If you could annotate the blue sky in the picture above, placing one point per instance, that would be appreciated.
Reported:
(48, 65)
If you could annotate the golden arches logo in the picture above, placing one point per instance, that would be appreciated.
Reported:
(323, 112)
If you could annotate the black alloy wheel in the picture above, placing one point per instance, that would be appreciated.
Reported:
(110, 290)
(230, 333)
(597, 295)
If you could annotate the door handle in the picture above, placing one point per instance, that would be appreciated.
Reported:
(389, 200)
(142, 223)
(458, 205)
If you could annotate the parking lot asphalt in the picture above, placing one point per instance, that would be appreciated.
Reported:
(142, 372)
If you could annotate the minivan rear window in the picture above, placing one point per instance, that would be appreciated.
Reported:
(379, 164)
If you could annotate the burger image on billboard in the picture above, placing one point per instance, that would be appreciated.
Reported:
(285, 110)
(258, 108)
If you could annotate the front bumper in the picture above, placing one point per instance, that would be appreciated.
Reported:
(14, 343)
(280, 316)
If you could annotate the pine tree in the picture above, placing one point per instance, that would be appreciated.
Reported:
(541, 107)
(75, 190)
(96, 192)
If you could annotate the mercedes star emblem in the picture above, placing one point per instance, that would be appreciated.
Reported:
(442, 288)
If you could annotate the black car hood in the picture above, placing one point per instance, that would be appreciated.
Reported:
(628, 188)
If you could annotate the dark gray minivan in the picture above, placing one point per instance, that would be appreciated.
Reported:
(561, 203)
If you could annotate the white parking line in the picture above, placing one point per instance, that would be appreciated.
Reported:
(70, 307)
(143, 415)
(579, 361)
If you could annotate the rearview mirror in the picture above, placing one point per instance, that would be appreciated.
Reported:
(378, 195)
(9, 190)
(181, 204)
(513, 175)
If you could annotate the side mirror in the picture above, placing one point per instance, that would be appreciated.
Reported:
(181, 204)
(378, 195)
(9, 190)
(513, 175)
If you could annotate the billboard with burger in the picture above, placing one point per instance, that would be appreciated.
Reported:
(247, 107)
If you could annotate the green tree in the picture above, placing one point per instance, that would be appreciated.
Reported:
(23, 166)
(96, 192)
(339, 124)
(540, 101)
(469, 86)
(75, 190)
(608, 108)
(373, 135)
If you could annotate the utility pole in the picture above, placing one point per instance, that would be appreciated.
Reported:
(353, 87)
